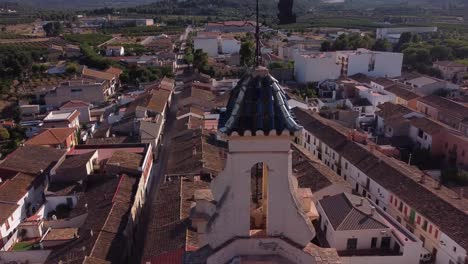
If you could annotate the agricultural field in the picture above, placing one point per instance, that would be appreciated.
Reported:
(91, 39)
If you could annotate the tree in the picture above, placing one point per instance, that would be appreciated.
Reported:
(53, 29)
(200, 59)
(188, 58)
(382, 45)
(4, 134)
(441, 52)
(405, 37)
(247, 53)
(341, 43)
(326, 46)
(72, 68)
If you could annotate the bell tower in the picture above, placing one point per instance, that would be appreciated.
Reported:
(254, 207)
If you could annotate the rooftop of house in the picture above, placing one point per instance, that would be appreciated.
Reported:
(423, 80)
(196, 151)
(75, 162)
(12, 191)
(62, 115)
(449, 64)
(159, 100)
(190, 110)
(313, 174)
(389, 110)
(129, 156)
(384, 82)
(404, 181)
(58, 234)
(126, 160)
(107, 201)
(402, 91)
(197, 93)
(444, 104)
(32, 159)
(167, 230)
(74, 104)
(350, 212)
(116, 71)
(51, 136)
(257, 103)
(427, 125)
(361, 78)
(188, 122)
(167, 84)
(360, 101)
(98, 74)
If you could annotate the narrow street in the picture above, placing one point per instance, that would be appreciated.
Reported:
(158, 172)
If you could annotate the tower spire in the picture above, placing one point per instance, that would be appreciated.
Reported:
(257, 39)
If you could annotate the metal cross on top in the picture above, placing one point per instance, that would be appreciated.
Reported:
(285, 16)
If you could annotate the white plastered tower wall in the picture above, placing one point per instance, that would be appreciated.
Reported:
(231, 190)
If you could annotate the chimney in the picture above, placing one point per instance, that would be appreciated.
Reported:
(372, 210)
(423, 178)
(361, 202)
(460, 193)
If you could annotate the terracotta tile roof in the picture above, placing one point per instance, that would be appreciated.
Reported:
(57, 234)
(400, 91)
(170, 257)
(11, 192)
(126, 160)
(345, 212)
(6, 210)
(159, 100)
(403, 180)
(75, 162)
(193, 151)
(111, 241)
(390, 110)
(189, 122)
(319, 128)
(384, 81)
(190, 109)
(98, 74)
(444, 104)
(427, 125)
(197, 93)
(32, 159)
(51, 136)
(15, 188)
(75, 104)
(166, 231)
(107, 200)
(360, 78)
(167, 84)
(115, 71)
(312, 173)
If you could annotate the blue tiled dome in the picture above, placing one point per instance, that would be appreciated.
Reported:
(257, 103)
